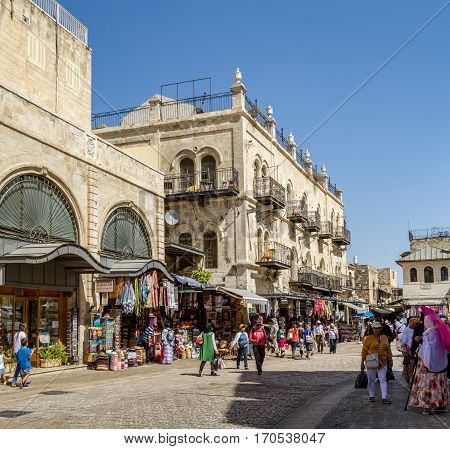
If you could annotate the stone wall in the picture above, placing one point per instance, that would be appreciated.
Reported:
(37, 61)
(437, 242)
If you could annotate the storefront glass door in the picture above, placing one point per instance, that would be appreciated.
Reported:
(48, 321)
(6, 320)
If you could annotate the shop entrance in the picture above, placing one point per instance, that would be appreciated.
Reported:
(42, 311)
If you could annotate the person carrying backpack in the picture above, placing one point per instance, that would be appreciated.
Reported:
(240, 343)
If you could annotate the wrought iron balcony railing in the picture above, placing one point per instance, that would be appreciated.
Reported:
(347, 282)
(326, 230)
(341, 235)
(224, 181)
(268, 191)
(297, 211)
(313, 223)
(429, 233)
(318, 280)
(274, 255)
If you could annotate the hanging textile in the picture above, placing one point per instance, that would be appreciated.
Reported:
(127, 298)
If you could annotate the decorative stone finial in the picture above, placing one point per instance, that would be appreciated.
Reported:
(237, 76)
(291, 139)
(307, 155)
(324, 170)
(269, 111)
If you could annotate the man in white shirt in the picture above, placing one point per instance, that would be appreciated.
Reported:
(319, 333)
(18, 336)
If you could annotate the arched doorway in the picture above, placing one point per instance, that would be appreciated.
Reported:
(208, 172)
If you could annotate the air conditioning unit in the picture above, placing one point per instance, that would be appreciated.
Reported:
(26, 19)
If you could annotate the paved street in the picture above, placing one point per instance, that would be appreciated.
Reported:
(290, 394)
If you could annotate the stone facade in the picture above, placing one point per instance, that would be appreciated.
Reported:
(375, 285)
(45, 130)
(233, 139)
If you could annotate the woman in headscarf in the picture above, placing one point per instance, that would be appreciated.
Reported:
(429, 389)
(405, 343)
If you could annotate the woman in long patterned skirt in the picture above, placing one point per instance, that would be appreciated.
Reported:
(429, 389)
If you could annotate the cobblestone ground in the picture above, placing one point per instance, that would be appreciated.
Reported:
(290, 394)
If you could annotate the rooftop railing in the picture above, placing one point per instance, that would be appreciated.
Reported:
(429, 233)
(63, 18)
(168, 110)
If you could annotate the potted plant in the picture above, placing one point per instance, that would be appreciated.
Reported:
(201, 276)
(52, 355)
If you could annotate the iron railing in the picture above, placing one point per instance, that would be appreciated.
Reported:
(63, 18)
(429, 233)
(326, 228)
(341, 233)
(168, 110)
(274, 252)
(332, 188)
(223, 179)
(347, 281)
(268, 188)
(317, 279)
(313, 219)
(297, 210)
(256, 114)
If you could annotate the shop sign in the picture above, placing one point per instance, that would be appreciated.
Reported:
(2, 275)
(104, 285)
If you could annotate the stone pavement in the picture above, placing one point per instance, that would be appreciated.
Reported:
(290, 394)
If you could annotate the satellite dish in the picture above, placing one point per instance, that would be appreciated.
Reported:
(172, 217)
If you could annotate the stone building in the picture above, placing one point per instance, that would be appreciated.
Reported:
(375, 285)
(266, 219)
(425, 270)
(71, 204)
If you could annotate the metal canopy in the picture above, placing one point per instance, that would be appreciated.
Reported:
(137, 267)
(69, 255)
(248, 297)
(177, 249)
(352, 306)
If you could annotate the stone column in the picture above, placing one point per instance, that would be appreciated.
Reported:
(324, 177)
(309, 164)
(272, 124)
(159, 237)
(155, 109)
(340, 195)
(238, 90)
(92, 230)
(292, 145)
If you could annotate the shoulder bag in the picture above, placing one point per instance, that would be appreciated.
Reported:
(372, 360)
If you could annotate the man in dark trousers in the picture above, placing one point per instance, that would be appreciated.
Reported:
(258, 339)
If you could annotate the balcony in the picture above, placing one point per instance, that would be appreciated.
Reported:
(221, 182)
(313, 223)
(269, 191)
(326, 230)
(347, 282)
(297, 212)
(274, 255)
(317, 280)
(341, 236)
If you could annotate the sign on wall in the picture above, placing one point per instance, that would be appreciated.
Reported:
(104, 285)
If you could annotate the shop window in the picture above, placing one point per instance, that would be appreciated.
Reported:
(428, 275)
(412, 275)
(6, 321)
(210, 249)
(185, 239)
(444, 274)
(49, 322)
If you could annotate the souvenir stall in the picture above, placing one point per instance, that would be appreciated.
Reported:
(131, 325)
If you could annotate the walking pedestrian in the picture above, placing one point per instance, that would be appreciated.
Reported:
(281, 345)
(18, 337)
(332, 336)
(293, 338)
(429, 388)
(376, 356)
(241, 343)
(274, 328)
(301, 340)
(2, 367)
(23, 361)
(309, 341)
(405, 344)
(258, 338)
(208, 349)
(319, 334)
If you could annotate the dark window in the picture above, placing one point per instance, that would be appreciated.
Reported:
(210, 249)
(444, 274)
(185, 239)
(413, 275)
(428, 275)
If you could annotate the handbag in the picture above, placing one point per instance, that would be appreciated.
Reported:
(372, 361)
(361, 380)
(199, 340)
(390, 375)
(290, 336)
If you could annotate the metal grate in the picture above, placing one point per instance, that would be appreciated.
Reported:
(125, 235)
(33, 207)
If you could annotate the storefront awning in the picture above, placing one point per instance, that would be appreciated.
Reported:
(69, 255)
(425, 302)
(176, 249)
(184, 280)
(352, 306)
(382, 311)
(248, 297)
(137, 267)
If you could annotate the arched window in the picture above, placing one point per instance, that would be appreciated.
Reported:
(125, 235)
(428, 275)
(257, 169)
(289, 193)
(260, 244)
(208, 175)
(294, 266)
(185, 239)
(308, 261)
(210, 249)
(33, 207)
(186, 166)
(444, 274)
(265, 171)
(413, 275)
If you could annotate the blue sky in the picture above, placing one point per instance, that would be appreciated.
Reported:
(387, 148)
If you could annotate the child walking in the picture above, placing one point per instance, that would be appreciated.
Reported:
(23, 359)
(2, 367)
